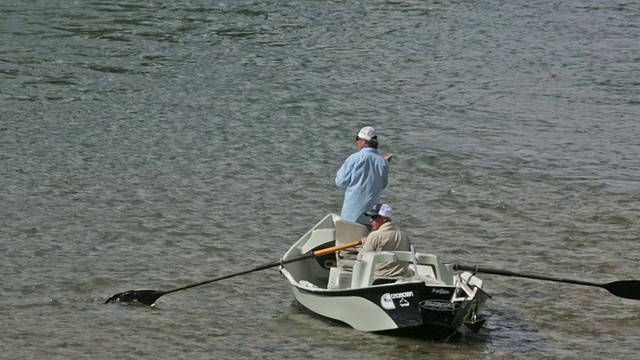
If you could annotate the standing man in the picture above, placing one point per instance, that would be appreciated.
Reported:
(363, 176)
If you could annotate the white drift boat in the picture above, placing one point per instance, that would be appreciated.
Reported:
(437, 301)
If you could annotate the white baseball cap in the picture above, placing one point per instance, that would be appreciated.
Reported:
(380, 210)
(367, 133)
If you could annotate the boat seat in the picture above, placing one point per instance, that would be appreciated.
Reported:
(346, 232)
(364, 268)
(471, 279)
(428, 263)
(318, 237)
(339, 278)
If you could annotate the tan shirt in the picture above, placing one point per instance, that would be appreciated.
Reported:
(388, 238)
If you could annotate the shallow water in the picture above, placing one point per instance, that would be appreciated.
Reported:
(157, 144)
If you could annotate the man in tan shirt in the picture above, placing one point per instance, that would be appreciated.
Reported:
(386, 237)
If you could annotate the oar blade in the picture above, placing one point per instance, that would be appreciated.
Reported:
(628, 289)
(147, 297)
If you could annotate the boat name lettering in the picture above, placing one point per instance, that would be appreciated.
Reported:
(401, 295)
(440, 291)
(438, 305)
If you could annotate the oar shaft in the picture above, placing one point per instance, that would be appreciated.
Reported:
(258, 268)
(528, 276)
(271, 265)
(335, 248)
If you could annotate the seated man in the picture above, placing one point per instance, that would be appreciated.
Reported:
(386, 237)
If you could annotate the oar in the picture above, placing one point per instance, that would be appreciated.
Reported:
(628, 289)
(148, 297)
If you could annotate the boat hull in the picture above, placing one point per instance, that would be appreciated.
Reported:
(396, 306)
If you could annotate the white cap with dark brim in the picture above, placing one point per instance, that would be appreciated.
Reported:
(380, 210)
(367, 133)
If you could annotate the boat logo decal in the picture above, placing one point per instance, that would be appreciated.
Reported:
(440, 291)
(387, 303)
(438, 305)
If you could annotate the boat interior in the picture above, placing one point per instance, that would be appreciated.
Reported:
(327, 273)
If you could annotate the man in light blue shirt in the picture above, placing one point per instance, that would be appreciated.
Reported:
(363, 176)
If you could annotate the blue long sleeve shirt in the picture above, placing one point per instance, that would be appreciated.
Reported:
(363, 176)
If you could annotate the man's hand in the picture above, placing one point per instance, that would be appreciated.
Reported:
(388, 157)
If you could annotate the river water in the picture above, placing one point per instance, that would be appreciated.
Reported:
(154, 144)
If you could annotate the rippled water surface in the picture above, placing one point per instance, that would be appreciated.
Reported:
(154, 144)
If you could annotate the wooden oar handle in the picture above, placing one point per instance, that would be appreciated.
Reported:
(335, 248)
